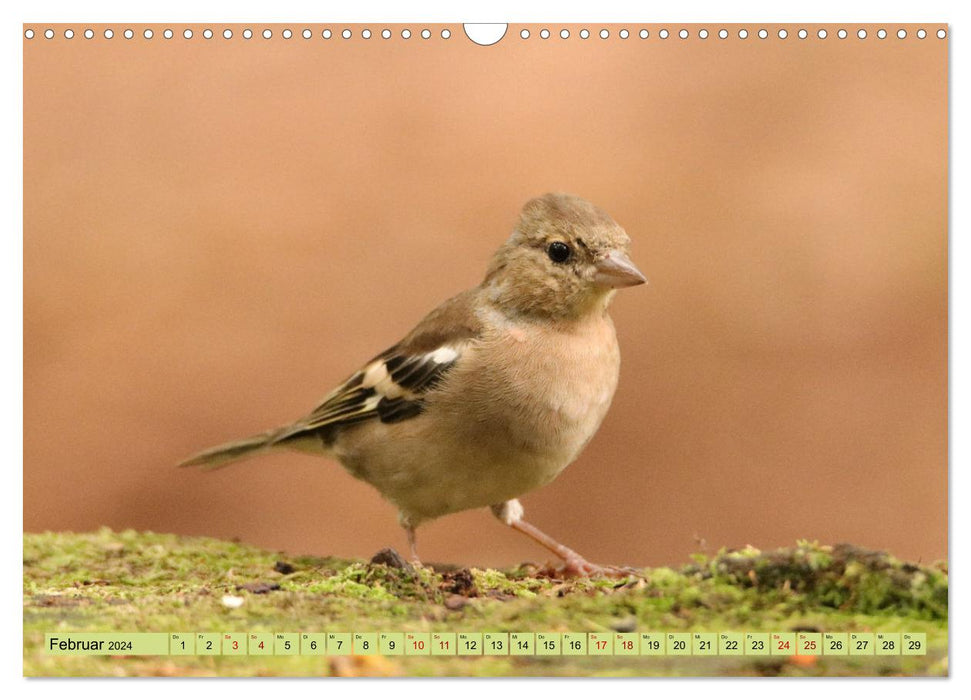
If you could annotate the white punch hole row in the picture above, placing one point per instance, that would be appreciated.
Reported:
(489, 34)
(723, 33)
(248, 33)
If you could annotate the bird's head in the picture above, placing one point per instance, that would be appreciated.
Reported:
(565, 259)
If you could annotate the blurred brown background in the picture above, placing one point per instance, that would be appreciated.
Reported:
(217, 232)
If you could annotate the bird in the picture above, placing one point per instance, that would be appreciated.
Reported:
(494, 392)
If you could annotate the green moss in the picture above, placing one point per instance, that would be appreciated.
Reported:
(134, 581)
(842, 577)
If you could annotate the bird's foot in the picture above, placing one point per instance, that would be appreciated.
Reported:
(578, 567)
(511, 513)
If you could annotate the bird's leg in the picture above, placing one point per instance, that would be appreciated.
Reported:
(511, 513)
(412, 543)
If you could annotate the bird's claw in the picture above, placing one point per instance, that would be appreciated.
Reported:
(577, 566)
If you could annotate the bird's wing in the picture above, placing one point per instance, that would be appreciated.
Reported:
(392, 386)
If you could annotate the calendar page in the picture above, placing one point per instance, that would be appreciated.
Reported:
(525, 349)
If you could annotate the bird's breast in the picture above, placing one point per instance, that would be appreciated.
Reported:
(544, 390)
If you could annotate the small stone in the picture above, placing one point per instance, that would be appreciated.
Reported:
(281, 567)
(628, 624)
(232, 601)
(390, 558)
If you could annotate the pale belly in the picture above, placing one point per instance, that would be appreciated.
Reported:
(502, 435)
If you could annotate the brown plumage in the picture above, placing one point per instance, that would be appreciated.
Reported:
(495, 391)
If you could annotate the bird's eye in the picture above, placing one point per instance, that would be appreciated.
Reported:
(558, 251)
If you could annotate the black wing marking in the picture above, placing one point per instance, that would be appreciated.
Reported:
(395, 410)
(390, 388)
(393, 386)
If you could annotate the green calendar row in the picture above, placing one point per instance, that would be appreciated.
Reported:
(488, 643)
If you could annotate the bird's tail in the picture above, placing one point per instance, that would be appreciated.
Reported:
(225, 454)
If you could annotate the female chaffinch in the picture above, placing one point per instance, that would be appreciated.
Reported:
(494, 392)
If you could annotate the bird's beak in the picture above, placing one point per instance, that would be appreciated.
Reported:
(616, 270)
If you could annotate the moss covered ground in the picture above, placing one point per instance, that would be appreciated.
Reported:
(139, 581)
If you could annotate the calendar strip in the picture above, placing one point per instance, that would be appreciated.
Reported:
(486, 643)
